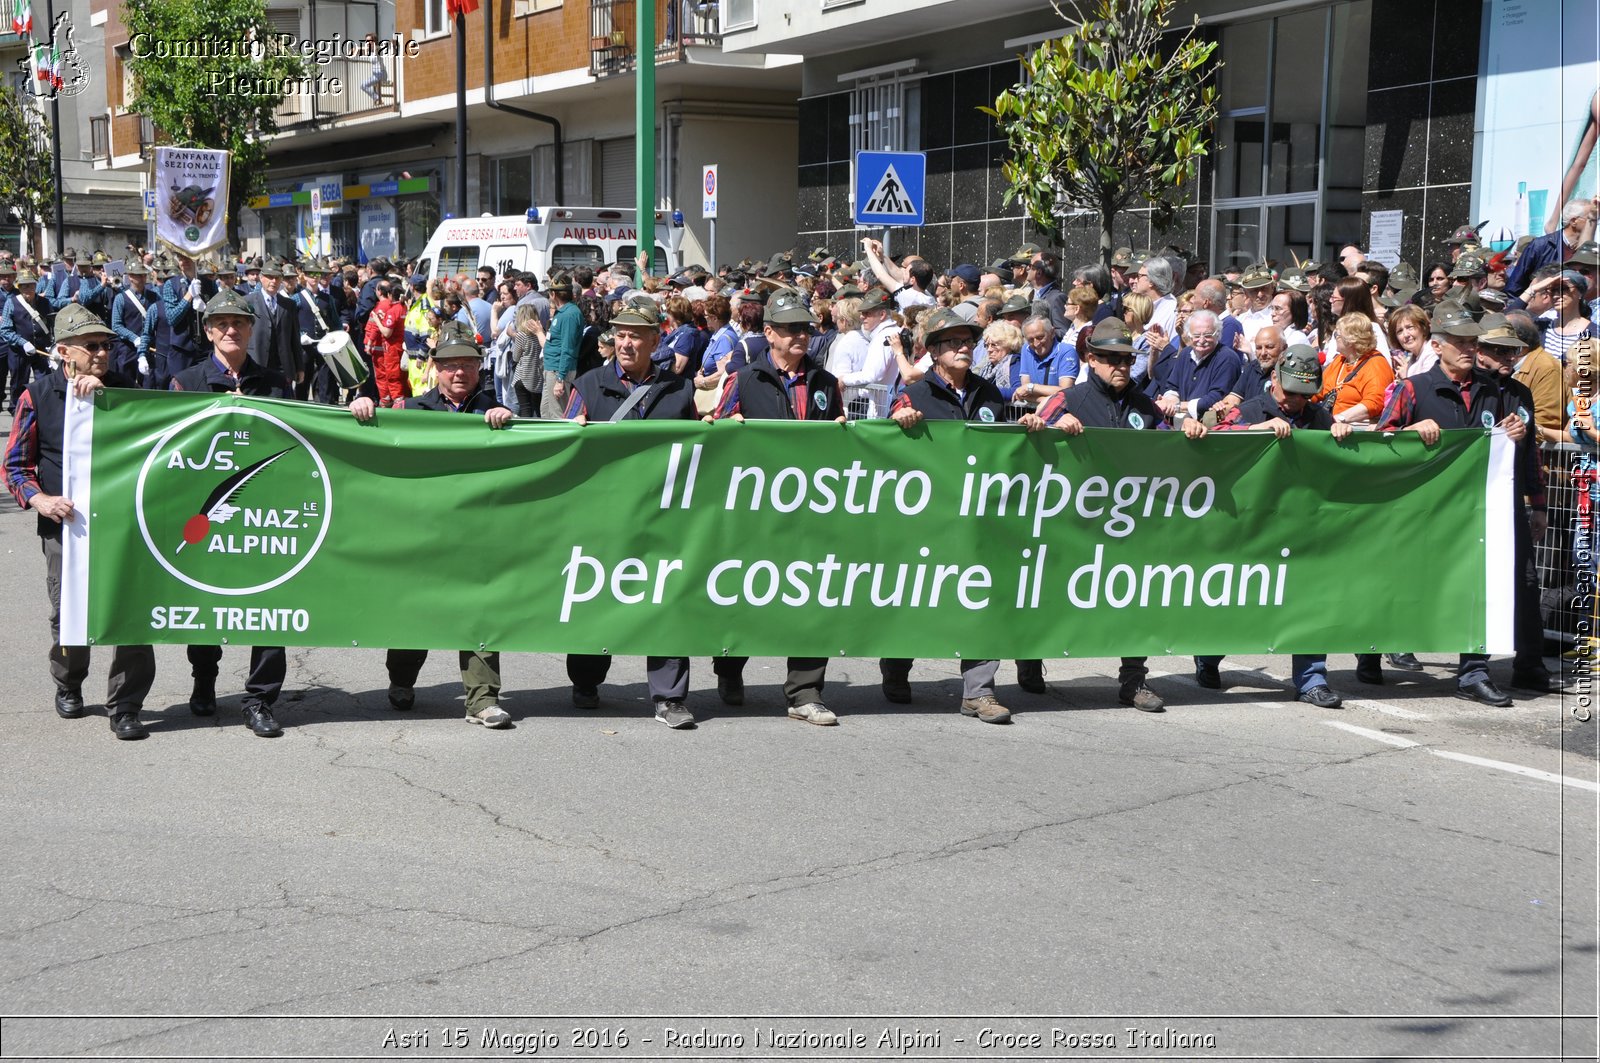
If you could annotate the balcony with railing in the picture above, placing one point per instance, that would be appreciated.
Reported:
(299, 108)
(9, 11)
(680, 25)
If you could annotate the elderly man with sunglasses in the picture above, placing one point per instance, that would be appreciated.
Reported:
(33, 463)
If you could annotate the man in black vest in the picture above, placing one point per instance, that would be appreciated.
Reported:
(25, 331)
(950, 393)
(458, 360)
(33, 463)
(1457, 394)
(228, 320)
(631, 387)
(133, 315)
(782, 384)
(1108, 399)
(183, 301)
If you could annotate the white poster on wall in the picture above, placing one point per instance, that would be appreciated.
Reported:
(1539, 116)
(1383, 241)
(379, 229)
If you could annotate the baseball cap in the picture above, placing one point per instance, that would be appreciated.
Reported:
(1300, 371)
(968, 273)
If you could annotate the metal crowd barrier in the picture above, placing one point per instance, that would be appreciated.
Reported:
(1566, 587)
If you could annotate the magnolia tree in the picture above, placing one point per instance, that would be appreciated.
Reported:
(1107, 118)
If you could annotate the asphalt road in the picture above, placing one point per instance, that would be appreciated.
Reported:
(1242, 876)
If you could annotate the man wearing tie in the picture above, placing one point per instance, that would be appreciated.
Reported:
(274, 342)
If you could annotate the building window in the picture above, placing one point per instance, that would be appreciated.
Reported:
(738, 14)
(577, 179)
(524, 8)
(1290, 144)
(125, 77)
(886, 114)
(435, 20)
(513, 184)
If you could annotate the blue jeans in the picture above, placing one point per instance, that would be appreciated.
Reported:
(1306, 670)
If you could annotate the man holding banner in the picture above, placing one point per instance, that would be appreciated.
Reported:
(950, 393)
(1111, 401)
(631, 386)
(228, 321)
(458, 361)
(783, 384)
(33, 464)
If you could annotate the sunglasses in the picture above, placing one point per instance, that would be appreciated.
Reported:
(1115, 359)
(97, 347)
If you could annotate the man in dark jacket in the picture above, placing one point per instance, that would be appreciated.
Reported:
(631, 387)
(458, 360)
(950, 393)
(275, 339)
(782, 384)
(33, 463)
(1108, 399)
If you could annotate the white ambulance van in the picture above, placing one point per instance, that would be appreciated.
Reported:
(549, 238)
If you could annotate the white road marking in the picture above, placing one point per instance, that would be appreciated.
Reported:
(1466, 758)
(1376, 736)
(1387, 709)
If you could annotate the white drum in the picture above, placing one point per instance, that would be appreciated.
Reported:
(343, 360)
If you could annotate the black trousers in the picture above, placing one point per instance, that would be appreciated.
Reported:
(668, 677)
(803, 685)
(268, 666)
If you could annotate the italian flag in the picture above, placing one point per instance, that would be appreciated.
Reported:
(47, 65)
(22, 22)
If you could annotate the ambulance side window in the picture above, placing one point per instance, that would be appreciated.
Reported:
(571, 256)
(658, 261)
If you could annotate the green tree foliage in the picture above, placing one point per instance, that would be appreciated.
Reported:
(224, 98)
(1103, 120)
(26, 191)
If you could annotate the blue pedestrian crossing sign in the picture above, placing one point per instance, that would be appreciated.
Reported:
(890, 187)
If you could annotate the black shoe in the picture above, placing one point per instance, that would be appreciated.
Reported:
(1543, 682)
(126, 726)
(1030, 677)
(69, 704)
(1406, 662)
(731, 691)
(897, 691)
(1208, 676)
(1485, 693)
(585, 699)
(1370, 676)
(1322, 697)
(203, 701)
(403, 699)
(259, 719)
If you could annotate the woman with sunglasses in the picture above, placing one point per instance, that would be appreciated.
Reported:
(1571, 324)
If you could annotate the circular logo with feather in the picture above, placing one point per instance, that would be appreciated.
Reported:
(233, 501)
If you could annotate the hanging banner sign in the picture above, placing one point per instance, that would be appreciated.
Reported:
(211, 517)
(191, 187)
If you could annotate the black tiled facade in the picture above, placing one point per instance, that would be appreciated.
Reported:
(1421, 98)
(1422, 92)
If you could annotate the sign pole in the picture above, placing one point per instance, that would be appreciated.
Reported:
(710, 193)
(644, 133)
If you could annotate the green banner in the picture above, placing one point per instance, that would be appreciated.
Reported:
(213, 518)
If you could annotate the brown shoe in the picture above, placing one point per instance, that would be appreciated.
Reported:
(1141, 697)
(986, 709)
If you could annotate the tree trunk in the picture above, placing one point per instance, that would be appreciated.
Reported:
(1108, 216)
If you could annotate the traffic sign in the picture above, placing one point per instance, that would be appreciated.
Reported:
(708, 191)
(890, 187)
(316, 202)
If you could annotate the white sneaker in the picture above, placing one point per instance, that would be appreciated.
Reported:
(815, 712)
(493, 716)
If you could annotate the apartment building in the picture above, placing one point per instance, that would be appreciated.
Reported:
(384, 160)
(101, 209)
(1341, 120)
